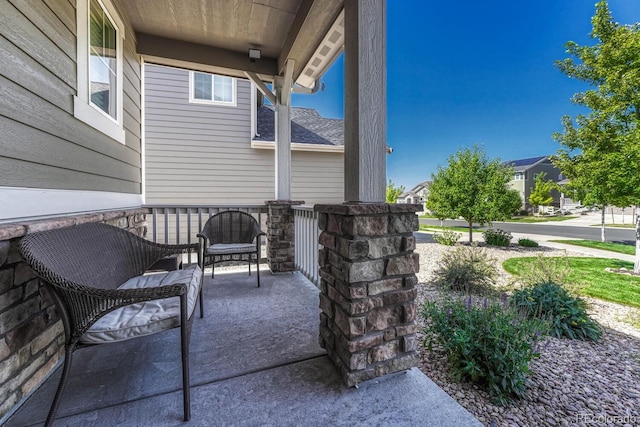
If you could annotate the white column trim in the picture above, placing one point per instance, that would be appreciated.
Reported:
(283, 133)
(143, 134)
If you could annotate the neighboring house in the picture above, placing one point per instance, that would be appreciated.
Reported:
(566, 203)
(208, 140)
(525, 173)
(417, 195)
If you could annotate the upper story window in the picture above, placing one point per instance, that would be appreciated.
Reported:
(100, 45)
(212, 88)
(519, 176)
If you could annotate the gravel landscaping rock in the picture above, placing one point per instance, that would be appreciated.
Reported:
(572, 383)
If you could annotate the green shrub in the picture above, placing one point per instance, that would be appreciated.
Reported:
(528, 243)
(523, 212)
(467, 269)
(447, 237)
(497, 237)
(488, 345)
(566, 314)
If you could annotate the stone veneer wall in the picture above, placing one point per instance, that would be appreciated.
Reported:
(31, 333)
(368, 288)
(281, 235)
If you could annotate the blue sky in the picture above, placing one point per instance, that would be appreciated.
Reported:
(466, 72)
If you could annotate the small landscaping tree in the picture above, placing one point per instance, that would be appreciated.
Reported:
(472, 187)
(513, 202)
(541, 192)
(393, 192)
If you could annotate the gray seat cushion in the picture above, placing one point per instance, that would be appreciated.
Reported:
(231, 248)
(148, 317)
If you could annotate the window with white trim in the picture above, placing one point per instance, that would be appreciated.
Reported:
(212, 88)
(100, 42)
(519, 176)
(103, 61)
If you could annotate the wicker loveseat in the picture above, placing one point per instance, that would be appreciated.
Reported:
(95, 274)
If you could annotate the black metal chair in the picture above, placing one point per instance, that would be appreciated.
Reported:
(94, 273)
(231, 236)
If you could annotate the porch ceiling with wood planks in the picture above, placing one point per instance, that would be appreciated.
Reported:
(217, 34)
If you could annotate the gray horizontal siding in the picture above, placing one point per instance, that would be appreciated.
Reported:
(200, 153)
(41, 142)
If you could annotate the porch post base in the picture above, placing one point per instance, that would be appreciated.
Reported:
(281, 235)
(368, 288)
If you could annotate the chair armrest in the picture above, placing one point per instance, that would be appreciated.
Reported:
(176, 248)
(160, 250)
(202, 245)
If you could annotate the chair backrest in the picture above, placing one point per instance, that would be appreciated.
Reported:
(92, 254)
(231, 227)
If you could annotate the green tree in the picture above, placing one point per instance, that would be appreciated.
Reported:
(513, 202)
(472, 187)
(601, 154)
(393, 192)
(541, 192)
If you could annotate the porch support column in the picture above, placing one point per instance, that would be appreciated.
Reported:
(368, 288)
(281, 235)
(367, 262)
(283, 86)
(280, 221)
(365, 101)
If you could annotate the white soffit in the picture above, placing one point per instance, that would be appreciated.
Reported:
(325, 54)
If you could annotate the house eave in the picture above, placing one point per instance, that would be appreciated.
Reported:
(298, 146)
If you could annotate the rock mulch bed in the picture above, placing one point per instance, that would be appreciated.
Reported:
(572, 383)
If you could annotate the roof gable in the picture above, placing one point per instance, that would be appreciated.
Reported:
(526, 162)
(522, 165)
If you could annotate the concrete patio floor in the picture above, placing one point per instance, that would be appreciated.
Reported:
(255, 361)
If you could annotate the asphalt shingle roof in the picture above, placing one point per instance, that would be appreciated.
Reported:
(307, 127)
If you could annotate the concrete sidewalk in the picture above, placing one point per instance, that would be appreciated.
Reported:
(546, 241)
(594, 219)
(255, 361)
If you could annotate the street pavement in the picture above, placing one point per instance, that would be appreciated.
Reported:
(583, 227)
(562, 230)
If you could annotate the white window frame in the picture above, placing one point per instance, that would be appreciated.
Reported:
(83, 109)
(234, 91)
(518, 176)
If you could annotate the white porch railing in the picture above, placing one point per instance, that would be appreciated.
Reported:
(306, 242)
(180, 224)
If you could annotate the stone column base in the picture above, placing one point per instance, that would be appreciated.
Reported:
(281, 235)
(368, 288)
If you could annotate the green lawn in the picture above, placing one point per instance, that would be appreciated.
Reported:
(606, 246)
(591, 273)
(533, 219)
